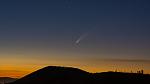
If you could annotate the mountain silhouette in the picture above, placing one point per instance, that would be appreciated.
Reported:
(69, 75)
(121, 78)
(56, 75)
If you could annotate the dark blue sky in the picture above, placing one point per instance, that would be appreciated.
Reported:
(95, 35)
(118, 28)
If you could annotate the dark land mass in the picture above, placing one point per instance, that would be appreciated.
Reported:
(6, 80)
(68, 75)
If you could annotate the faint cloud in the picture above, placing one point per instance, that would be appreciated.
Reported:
(127, 60)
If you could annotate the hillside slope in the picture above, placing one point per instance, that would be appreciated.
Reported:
(68, 75)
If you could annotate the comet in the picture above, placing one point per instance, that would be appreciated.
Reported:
(83, 36)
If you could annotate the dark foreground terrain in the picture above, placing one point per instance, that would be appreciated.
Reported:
(6, 80)
(68, 75)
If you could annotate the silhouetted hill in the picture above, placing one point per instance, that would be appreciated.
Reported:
(68, 75)
(7, 80)
(56, 75)
(121, 78)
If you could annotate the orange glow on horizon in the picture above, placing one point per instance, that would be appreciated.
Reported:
(13, 74)
(22, 72)
(19, 67)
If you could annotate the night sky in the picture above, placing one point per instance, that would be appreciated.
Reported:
(94, 35)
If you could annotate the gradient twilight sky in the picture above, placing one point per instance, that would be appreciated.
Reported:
(95, 35)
